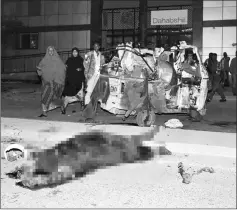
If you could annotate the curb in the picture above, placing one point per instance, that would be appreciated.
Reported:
(24, 91)
(195, 149)
(38, 131)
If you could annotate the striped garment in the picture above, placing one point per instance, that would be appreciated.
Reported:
(51, 92)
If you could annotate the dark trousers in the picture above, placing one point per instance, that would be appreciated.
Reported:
(216, 87)
(233, 77)
(225, 78)
(227, 81)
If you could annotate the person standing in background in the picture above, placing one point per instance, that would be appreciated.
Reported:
(52, 71)
(75, 79)
(209, 71)
(93, 62)
(233, 74)
(206, 64)
(225, 69)
(216, 80)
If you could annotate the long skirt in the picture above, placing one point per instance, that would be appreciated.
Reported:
(51, 95)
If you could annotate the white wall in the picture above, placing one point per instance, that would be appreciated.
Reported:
(219, 10)
(65, 40)
(219, 39)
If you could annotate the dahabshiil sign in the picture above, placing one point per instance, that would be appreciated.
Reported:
(169, 17)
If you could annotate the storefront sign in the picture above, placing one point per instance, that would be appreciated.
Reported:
(169, 17)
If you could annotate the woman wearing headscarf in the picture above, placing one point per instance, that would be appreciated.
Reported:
(75, 79)
(52, 71)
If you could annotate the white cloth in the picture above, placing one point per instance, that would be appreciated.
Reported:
(173, 123)
(97, 61)
(93, 80)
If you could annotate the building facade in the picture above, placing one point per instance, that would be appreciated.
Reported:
(219, 28)
(210, 25)
(122, 23)
(40, 23)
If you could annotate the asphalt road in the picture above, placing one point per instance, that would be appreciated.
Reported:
(21, 100)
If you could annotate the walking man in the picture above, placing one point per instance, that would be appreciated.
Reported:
(225, 69)
(93, 62)
(216, 79)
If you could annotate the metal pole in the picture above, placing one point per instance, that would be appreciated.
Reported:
(112, 11)
(143, 21)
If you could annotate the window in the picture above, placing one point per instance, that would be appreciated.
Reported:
(27, 41)
(219, 10)
(170, 37)
(210, 13)
(212, 4)
(34, 7)
(229, 13)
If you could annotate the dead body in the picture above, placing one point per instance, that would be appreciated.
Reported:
(81, 154)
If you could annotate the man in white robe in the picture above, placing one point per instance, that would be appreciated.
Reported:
(93, 62)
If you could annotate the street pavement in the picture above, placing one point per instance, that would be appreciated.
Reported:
(21, 100)
(29, 131)
(151, 184)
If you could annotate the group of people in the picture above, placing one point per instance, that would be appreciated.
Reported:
(219, 75)
(61, 80)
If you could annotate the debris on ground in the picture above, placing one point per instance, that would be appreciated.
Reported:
(14, 152)
(189, 173)
(174, 123)
(16, 173)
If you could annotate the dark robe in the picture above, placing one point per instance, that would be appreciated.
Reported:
(74, 78)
